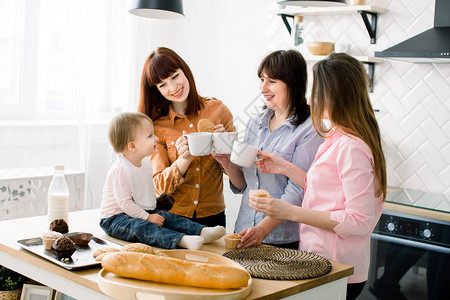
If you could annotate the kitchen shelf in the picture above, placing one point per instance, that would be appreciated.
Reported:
(368, 60)
(363, 59)
(363, 10)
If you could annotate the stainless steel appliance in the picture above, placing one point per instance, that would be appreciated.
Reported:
(410, 248)
(431, 45)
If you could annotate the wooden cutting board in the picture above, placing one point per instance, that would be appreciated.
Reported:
(128, 288)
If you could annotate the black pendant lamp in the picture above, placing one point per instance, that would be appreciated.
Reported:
(313, 3)
(158, 9)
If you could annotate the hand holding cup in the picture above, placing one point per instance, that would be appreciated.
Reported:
(182, 146)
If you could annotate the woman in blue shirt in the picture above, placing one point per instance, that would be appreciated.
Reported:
(283, 128)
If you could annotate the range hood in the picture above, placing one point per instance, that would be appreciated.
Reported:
(431, 46)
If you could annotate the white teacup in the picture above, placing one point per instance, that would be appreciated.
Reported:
(200, 143)
(223, 142)
(243, 154)
(341, 48)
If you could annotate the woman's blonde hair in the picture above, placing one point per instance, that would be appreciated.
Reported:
(340, 87)
(122, 129)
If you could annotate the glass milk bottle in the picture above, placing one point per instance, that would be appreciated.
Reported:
(58, 197)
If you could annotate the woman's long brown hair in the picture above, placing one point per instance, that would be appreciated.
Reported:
(340, 87)
(159, 65)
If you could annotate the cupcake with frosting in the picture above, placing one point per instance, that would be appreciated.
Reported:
(49, 238)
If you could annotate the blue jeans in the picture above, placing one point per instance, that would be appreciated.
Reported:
(130, 229)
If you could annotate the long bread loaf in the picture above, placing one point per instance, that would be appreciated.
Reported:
(174, 270)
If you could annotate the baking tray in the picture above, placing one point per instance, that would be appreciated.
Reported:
(81, 258)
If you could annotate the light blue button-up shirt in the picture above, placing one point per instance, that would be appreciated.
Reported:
(297, 144)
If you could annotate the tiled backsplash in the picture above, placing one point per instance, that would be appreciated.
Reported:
(413, 98)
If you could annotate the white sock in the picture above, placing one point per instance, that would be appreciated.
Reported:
(212, 233)
(191, 242)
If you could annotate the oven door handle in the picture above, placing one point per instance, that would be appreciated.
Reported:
(420, 245)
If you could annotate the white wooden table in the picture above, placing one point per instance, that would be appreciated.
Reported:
(82, 284)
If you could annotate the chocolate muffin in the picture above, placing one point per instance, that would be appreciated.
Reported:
(81, 239)
(63, 247)
(59, 226)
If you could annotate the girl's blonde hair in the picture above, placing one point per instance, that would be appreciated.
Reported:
(340, 87)
(123, 128)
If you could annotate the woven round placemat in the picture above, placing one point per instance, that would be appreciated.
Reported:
(280, 263)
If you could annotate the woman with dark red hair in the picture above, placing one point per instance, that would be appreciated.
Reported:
(170, 98)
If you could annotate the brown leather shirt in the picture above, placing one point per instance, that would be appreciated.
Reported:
(201, 188)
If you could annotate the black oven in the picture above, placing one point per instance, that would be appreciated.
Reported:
(410, 258)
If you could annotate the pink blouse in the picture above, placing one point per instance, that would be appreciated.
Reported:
(341, 180)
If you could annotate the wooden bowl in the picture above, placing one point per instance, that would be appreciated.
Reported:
(320, 48)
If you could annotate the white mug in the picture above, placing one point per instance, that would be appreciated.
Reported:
(243, 154)
(341, 48)
(223, 142)
(200, 143)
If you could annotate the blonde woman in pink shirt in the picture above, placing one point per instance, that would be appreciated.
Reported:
(346, 184)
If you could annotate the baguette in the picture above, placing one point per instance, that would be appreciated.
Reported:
(100, 251)
(138, 247)
(174, 271)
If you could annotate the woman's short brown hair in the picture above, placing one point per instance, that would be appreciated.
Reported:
(122, 129)
(289, 66)
(159, 65)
